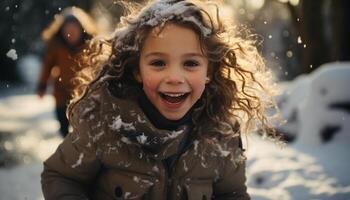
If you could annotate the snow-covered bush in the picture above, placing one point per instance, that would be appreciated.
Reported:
(316, 106)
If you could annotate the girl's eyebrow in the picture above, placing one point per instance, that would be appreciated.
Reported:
(164, 54)
(193, 54)
(154, 54)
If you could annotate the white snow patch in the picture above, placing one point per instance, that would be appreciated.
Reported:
(317, 103)
(297, 171)
(222, 152)
(141, 138)
(79, 161)
(136, 179)
(157, 15)
(12, 54)
(217, 175)
(162, 11)
(91, 117)
(140, 120)
(76, 139)
(185, 166)
(21, 182)
(98, 136)
(127, 194)
(125, 140)
(195, 143)
(141, 181)
(204, 162)
(155, 168)
(147, 182)
(173, 134)
(117, 124)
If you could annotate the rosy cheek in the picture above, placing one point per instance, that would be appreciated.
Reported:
(199, 88)
(201, 91)
(149, 84)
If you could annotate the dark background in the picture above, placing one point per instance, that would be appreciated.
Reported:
(297, 36)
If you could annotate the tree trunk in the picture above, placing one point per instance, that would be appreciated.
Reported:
(340, 16)
(312, 30)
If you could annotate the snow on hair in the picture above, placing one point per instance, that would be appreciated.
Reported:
(157, 14)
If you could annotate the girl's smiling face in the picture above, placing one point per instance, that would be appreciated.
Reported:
(173, 70)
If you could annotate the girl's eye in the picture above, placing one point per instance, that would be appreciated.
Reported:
(158, 63)
(191, 63)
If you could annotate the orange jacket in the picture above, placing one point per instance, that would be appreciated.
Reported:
(60, 66)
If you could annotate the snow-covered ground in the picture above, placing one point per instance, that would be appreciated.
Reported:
(302, 170)
(298, 172)
(315, 165)
(27, 137)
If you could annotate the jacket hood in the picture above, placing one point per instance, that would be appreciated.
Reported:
(83, 18)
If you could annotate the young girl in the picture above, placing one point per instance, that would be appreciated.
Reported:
(162, 118)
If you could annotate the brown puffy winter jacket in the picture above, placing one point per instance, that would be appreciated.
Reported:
(114, 152)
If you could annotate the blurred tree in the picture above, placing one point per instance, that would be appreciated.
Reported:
(340, 17)
(299, 35)
(273, 22)
(324, 30)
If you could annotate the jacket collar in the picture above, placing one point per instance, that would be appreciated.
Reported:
(157, 119)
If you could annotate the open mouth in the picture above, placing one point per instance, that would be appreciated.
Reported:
(174, 97)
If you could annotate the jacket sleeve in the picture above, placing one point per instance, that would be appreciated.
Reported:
(47, 65)
(232, 184)
(71, 170)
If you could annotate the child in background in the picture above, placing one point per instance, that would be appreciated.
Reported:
(66, 38)
(163, 117)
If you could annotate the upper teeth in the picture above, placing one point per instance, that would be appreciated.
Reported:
(174, 95)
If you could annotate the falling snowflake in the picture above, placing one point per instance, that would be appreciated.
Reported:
(299, 40)
(12, 54)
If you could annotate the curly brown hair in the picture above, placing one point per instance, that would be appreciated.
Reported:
(241, 88)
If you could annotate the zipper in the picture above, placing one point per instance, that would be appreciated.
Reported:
(168, 175)
(169, 170)
(166, 180)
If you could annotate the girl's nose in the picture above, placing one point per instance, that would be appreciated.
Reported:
(175, 80)
(175, 77)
